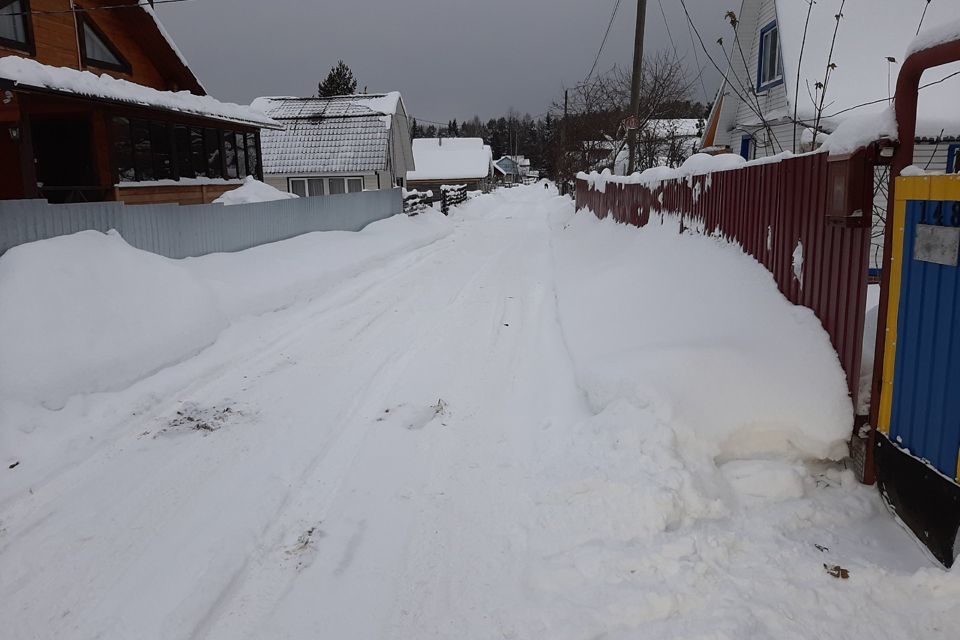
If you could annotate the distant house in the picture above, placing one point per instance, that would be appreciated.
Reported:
(661, 142)
(443, 161)
(101, 105)
(754, 111)
(512, 168)
(340, 144)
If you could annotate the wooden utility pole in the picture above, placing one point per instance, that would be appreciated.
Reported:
(636, 82)
(561, 169)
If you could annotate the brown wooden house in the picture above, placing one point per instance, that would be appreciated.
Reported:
(97, 103)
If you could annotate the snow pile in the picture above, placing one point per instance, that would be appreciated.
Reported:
(712, 345)
(450, 159)
(695, 165)
(27, 72)
(91, 313)
(253, 191)
(273, 276)
(859, 130)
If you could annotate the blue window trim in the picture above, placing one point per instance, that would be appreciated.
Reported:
(746, 146)
(779, 81)
(952, 152)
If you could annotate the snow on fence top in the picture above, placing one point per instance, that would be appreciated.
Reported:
(30, 73)
(695, 165)
(450, 159)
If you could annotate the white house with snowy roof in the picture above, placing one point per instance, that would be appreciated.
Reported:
(339, 144)
(771, 100)
(450, 161)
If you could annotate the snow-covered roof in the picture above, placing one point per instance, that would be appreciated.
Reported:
(27, 73)
(450, 159)
(870, 32)
(328, 135)
(291, 108)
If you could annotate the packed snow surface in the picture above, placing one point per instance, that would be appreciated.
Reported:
(253, 191)
(514, 423)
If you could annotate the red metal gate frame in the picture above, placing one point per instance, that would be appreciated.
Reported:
(906, 100)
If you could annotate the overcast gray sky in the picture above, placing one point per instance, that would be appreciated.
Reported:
(449, 58)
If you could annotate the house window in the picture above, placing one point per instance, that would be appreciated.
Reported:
(770, 66)
(181, 149)
(746, 147)
(97, 50)
(298, 186)
(142, 152)
(253, 158)
(145, 150)
(305, 187)
(337, 186)
(354, 185)
(241, 149)
(953, 166)
(198, 157)
(399, 182)
(211, 142)
(123, 150)
(162, 151)
(16, 30)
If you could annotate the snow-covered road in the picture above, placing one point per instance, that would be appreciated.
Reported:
(443, 445)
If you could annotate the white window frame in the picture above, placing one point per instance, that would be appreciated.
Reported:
(764, 51)
(325, 184)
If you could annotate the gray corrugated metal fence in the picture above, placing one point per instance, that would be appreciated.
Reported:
(183, 231)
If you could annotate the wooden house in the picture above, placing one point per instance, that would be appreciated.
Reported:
(97, 103)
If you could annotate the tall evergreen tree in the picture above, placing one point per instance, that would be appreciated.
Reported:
(339, 82)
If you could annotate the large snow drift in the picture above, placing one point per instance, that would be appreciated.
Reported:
(712, 344)
(92, 313)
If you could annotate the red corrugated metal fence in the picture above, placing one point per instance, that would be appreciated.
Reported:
(770, 210)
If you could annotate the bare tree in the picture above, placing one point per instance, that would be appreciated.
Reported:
(594, 130)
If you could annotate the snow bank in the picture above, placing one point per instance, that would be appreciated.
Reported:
(695, 329)
(272, 276)
(91, 313)
(253, 190)
(695, 165)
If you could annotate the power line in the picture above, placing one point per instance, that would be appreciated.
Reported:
(77, 9)
(613, 16)
(696, 56)
(666, 23)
